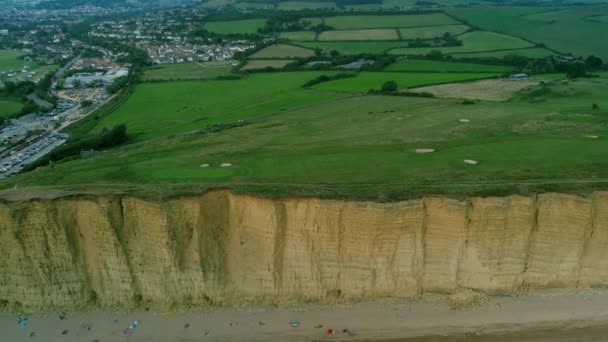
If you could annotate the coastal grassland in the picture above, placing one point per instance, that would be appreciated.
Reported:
(364, 147)
(430, 32)
(366, 81)
(425, 65)
(299, 35)
(530, 52)
(475, 41)
(355, 47)
(282, 51)
(369, 34)
(157, 109)
(388, 21)
(9, 107)
(265, 63)
(565, 29)
(188, 71)
(235, 26)
(301, 5)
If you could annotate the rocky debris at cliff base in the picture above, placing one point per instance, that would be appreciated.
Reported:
(425, 150)
(464, 299)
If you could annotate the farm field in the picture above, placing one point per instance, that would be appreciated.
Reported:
(431, 31)
(235, 26)
(355, 47)
(265, 63)
(369, 34)
(388, 21)
(9, 107)
(188, 71)
(157, 109)
(477, 41)
(254, 5)
(282, 51)
(9, 61)
(530, 52)
(488, 90)
(366, 81)
(425, 65)
(566, 30)
(364, 146)
(298, 35)
(301, 5)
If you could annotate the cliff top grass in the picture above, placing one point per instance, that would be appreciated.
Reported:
(548, 138)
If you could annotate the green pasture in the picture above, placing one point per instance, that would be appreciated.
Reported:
(431, 31)
(364, 147)
(9, 107)
(188, 71)
(299, 35)
(301, 5)
(355, 47)
(425, 65)
(530, 52)
(366, 81)
(235, 26)
(388, 21)
(282, 51)
(359, 35)
(476, 41)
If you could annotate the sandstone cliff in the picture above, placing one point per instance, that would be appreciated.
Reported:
(226, 249)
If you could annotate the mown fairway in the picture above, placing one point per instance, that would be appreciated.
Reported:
(366, 81)
(282, 51)
(157, 109)
(364, 147)
(425, 65)
(567, 30)
(8, 107)
(188, 71)
(476, 41)
(235, 26)
(388, 21)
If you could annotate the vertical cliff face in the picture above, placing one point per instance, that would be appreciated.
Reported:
(225, 249)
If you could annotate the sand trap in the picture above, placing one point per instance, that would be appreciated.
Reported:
(204, 166)
(425, 150)
(464, 120)
(471, 162)
(226, 165)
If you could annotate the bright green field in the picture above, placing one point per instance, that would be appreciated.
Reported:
(388, 21)
(531, 52)
(476, 41)
(8, 107)
(425, 65)
(366, 81)
(354, 47)
(431, 31)
(300, 5)
(567, 30)
(188, 71)
(235, 26)
(157, 109)
(363, 147)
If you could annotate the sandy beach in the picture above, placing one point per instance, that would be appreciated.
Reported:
(550, 316)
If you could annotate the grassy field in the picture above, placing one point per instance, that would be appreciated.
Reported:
(369, 34)
(157, 109)
(235, 26)
(9, 60)
(531, 52)
(477, 41)
(600, 18)
(431, 31)
(424, 65)
(254, 5)
(366, 81)
(388, 21)
(283, 51)
(188, 71)
(9, 107)
(299, 35)
(355, 47)
(301, 5)
(265, 63)
(566, 30)
(364, 147)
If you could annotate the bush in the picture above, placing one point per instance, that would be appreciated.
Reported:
(595, 106)
(86, 103)
(389, 86)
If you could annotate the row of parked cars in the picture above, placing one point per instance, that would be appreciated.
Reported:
(22, 157)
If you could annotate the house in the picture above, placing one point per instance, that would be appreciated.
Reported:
(518, 77)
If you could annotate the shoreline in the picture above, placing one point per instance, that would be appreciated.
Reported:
(535, 317)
